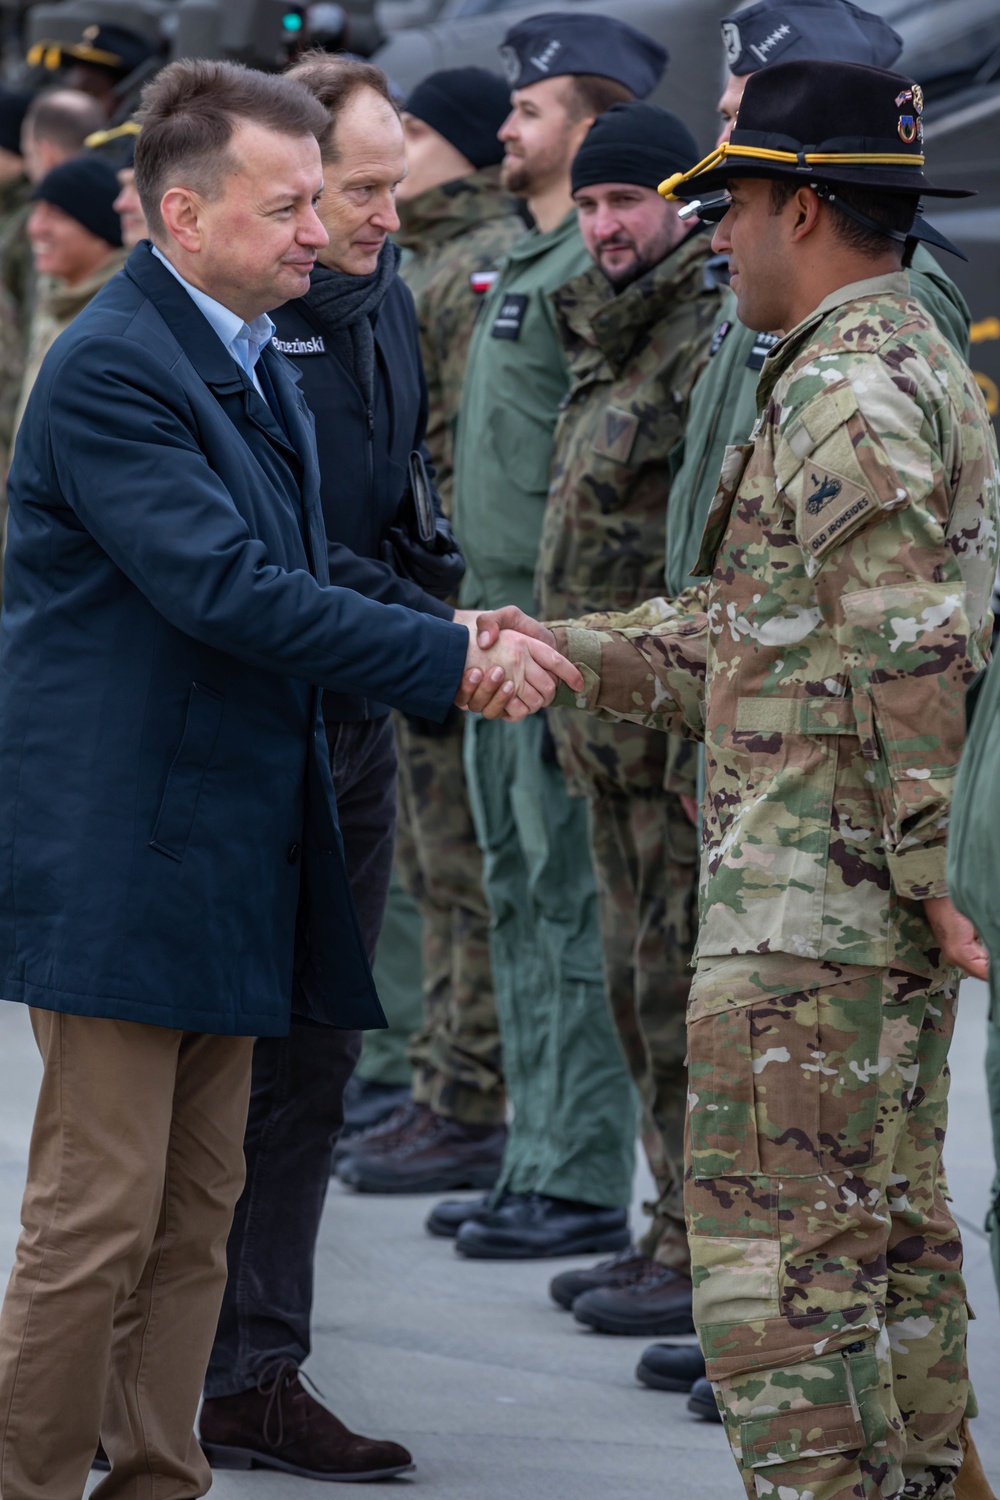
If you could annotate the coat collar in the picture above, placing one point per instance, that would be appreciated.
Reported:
(189, 326)
(587, 310)
(215, 365)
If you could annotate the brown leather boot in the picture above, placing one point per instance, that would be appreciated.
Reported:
(278, 1425)
(971, 1482)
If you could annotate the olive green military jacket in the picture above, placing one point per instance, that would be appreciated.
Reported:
(633, 359)
(516, 377)
(724, 405)
(852, 548)
(449, 234)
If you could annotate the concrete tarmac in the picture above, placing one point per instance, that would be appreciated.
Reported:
(500, 1395)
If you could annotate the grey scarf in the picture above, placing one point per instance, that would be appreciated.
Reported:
(345, 306)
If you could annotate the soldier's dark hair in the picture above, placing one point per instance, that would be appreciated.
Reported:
(189, 113)
(590, 94)
(893, 211)
(334, 81)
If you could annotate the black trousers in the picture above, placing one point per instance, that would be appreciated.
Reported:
(296, 1103)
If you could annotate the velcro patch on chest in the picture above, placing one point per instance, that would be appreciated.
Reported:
(507, 323)
(833, 506)
(616, 434)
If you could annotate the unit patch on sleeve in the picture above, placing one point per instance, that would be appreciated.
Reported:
(832, 508)
(507, 323)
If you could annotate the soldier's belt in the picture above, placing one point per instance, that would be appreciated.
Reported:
(797, 715)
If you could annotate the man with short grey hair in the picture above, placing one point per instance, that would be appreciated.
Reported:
(56, 126)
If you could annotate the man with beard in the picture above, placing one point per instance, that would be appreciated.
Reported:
(636, 329)
(566, 1177)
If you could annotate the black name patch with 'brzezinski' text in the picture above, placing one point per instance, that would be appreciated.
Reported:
(315, 345)
(507, 323)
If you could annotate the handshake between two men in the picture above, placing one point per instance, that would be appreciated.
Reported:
(513, 668)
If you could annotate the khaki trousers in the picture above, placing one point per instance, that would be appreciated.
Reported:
(135, 1166)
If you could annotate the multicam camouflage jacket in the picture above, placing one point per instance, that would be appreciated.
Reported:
(452, 232)
(633, 359)
(851, 548)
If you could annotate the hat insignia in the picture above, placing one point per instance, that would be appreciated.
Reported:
(917, 96)
(511, 63)
(731, 41)
(544, 60)
(91, 34)
(907, 129)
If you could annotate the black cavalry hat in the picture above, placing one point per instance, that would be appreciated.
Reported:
(116, 48)
(830, 122)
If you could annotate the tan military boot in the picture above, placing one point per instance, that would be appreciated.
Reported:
(971, 1482)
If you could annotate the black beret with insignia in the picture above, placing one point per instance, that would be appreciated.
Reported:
(789, 30)
(561, 43)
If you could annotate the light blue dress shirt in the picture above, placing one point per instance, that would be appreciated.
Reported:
(243, 340)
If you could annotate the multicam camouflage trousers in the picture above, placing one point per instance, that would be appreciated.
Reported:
(456, 1055)
(829, 1298)
(645, 853)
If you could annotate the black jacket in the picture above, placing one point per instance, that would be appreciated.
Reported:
(362, 454)
(175, 861)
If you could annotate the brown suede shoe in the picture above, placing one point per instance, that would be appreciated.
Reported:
(409, 1117)
(278, 1425)
(435, 1156)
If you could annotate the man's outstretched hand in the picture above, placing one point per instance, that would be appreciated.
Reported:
(490, 622)
(514, 674)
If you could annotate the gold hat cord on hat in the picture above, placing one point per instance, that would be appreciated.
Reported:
(810, 158)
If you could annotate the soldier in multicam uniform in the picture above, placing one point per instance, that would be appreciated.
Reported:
(635, 328)
(456, 223)
(852, 547)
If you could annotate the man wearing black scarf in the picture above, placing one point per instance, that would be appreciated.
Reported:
(354, 339)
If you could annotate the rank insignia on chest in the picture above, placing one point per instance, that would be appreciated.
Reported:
(719, 338)
(617, 435)
(482, 281)
(762, 345)
(507, 323)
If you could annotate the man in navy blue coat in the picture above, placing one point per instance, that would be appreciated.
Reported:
(171, 874)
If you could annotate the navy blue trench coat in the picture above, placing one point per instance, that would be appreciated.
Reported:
(169, 848)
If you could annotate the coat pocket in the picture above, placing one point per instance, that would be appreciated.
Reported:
(179, 802)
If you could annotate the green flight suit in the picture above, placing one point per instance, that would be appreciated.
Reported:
(575, 1109)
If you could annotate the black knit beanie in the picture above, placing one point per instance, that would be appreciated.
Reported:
(467, 106)
(636, 142)
(85, 188)
(13, 108)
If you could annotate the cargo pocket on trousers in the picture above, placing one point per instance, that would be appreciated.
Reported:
(179, 802)
(789, 1437)
(721, 1122)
